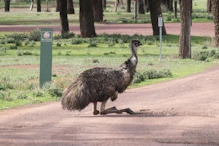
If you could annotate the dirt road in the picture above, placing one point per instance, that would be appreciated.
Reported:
(198, 29)
(181, 112)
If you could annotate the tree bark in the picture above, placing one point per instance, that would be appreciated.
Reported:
(31, 5)
(155, 11)
(185, 38)
(209, 6)
(70, 7)
(141, 7)
(7, 5)
(147, 9)
(58, 5)
(128, 6)
(98, 10)
(175, 9)
(215, 11)
(135, 9)
(86, 18)
(64, 17)
(38, 5)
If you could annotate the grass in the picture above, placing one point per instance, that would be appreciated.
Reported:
(19, 75)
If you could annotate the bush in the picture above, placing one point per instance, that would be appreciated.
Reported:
(53, 90)
(152, 74)
(92, 43)
(76, 41)
(35, 35)
(17, 36)
(10, 40)
(13, 47)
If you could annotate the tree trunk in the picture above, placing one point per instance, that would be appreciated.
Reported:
(215, 11)
(70, 7)
(7, 5)
(209, 6)
(135, 9)
(58, 5)
(47, 5)
(185, 38)
(38, 5)
(116, 5)
(64, 17)
(155, 11)
(146, 5)
(86, 19)
(141, 7)
(31, 5)
(175, 9)
(128, 6)
(98, 10)
(104, 4)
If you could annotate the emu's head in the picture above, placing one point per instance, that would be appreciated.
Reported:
(134, 45)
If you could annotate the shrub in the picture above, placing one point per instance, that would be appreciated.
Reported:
(2, 96)
(92, 43)
(13, 47)
(19, 52)
(35, 35)
(76, 41)
(17, 36)
(22, 96)
(10, 40)
(27, 53)
(18, 43)
(53, 90)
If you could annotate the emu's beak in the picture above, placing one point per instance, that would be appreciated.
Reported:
(140, 44)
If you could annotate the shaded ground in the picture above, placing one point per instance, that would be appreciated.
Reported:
(198, 29)
(183, 112)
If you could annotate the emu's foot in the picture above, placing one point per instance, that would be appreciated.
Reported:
(96, 112)
(115, 110)
(129, 111)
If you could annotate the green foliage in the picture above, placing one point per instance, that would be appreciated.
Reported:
(17, 36)
(204, 55)
(53, 90)
(92, 43)
(10, 40)
(152, 74)
(35, 35)
(13, 47)
(76, 41)
(64, 36)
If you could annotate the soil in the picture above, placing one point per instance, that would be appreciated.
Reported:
(182, 112)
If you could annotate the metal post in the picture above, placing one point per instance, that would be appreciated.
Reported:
(46, 56)
(160, 25)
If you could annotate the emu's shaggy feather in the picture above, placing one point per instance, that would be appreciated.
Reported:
(99, 84)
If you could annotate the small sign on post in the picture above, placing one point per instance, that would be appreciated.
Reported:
(46, 56)
(160, 25)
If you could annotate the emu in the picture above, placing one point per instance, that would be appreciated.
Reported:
(99, 84)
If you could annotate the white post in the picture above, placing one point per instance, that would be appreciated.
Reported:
(160, 25)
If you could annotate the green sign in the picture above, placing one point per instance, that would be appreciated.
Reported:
(46, 56)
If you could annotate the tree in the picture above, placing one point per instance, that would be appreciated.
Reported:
(215, 11)
(31, 5)
(168, 4)
(98, 10)
(70, 7)
(38, 5)
(146, 5)
(141, 7)
(86, 18)
(155, 11)
(7, 5)
(128, 6)
(185, 38)
(209, 6)
(58, 5)
(64, 16)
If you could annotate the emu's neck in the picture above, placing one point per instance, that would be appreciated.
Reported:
(134, 57)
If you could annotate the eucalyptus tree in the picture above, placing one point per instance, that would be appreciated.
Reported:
(86, 17)
(7, 5)
(215, 11)
(64, 16)
(98, 10)
(155, 11)
(185, 38)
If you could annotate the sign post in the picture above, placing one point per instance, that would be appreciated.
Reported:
(160, 25)
(46, 56)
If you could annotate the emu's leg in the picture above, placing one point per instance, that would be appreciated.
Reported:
(95, 111)
(113, 110)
